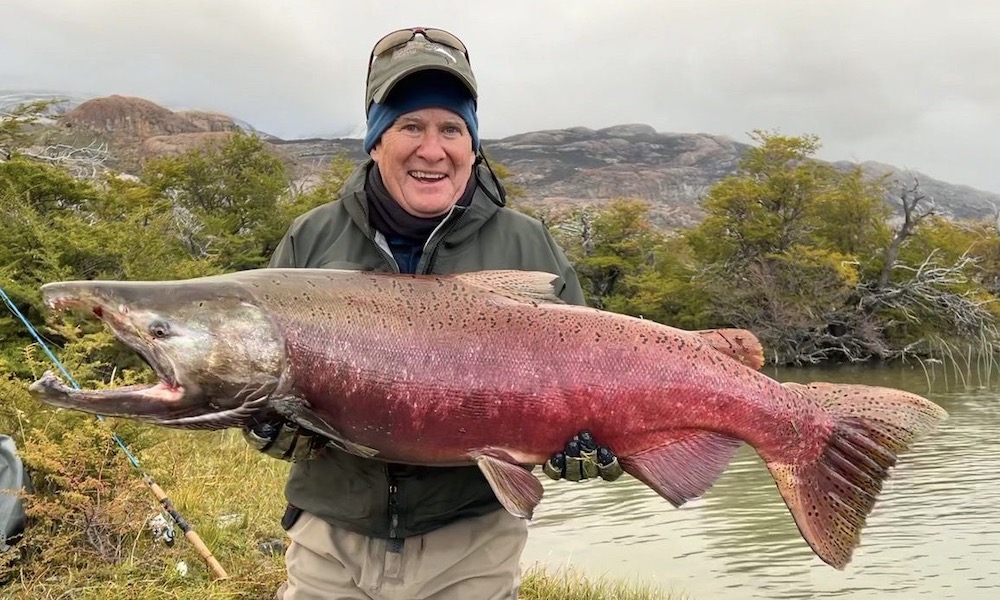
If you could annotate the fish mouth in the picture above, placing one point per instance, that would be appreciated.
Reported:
(166, 399)
(126, 401)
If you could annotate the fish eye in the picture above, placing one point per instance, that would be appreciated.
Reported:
(159, 329)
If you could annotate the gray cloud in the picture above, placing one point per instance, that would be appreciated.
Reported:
(909, 82)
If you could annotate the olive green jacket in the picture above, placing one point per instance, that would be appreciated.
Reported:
(371, 497)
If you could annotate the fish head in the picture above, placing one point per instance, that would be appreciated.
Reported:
(216, 354)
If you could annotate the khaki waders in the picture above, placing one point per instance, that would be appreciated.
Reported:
(471, 559)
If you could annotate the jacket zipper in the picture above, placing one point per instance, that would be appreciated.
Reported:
(393, 504)
(444, 228)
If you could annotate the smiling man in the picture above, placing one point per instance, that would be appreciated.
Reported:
(426, 202)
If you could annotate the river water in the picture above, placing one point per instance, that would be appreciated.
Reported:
(935, 532)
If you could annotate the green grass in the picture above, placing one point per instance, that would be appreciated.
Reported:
(541, 584)
(231, 495)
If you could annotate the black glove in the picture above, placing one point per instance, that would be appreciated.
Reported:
(284, 440)
(583, 459)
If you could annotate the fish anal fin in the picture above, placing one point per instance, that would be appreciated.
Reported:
(298, 410)
(531, 287)
(685, 465)
(517, 489)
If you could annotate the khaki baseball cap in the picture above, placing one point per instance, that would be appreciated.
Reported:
(408, 51)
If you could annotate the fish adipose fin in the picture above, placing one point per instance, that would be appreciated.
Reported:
(298, 410)
(738, 344)
(517, 489)
(685, 466)
(831, 496)
(530, 287)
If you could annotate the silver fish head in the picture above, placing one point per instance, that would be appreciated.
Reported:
(216, 353)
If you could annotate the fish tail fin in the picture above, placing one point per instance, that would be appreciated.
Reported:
(831, 495)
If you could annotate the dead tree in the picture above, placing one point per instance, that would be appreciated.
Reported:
(911, 198)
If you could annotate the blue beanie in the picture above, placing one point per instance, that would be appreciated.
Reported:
(424, 89)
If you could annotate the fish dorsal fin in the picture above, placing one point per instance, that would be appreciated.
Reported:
(517, 489)
(685, 466)
(532, 287)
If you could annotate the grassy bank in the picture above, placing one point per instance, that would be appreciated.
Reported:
(90, 538)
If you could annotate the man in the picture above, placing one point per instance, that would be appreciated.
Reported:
(426, 202)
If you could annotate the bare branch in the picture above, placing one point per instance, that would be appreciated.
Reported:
(911, 199)
(87, 162)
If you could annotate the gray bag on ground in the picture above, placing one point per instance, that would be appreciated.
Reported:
(13, 479)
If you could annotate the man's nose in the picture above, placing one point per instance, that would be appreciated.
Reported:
(431, 148)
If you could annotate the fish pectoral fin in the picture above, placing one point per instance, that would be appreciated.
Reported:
(685, 466)
(529, 287)
(299, 411)
(517, 489)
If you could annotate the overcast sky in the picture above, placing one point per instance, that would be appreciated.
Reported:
(914, 83)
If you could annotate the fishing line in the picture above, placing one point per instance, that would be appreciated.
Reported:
(161, 496)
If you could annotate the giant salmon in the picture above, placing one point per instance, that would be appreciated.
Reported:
(489, 368)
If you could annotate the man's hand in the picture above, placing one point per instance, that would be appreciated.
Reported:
(583, 459)
(284, 440)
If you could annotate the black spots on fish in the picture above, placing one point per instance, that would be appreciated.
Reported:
(436, 325)
(319, 311)
(490, 320)
(310, 283)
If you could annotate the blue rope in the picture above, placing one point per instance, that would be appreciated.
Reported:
(38, 338)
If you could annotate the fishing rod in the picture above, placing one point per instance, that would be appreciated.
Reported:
(168, 506)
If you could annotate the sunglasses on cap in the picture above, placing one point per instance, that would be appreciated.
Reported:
(401, 37)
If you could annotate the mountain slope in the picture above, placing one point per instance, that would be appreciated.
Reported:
(558, 169)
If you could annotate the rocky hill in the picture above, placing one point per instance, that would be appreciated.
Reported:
(558, 169)
(564, 168)
(137, 129)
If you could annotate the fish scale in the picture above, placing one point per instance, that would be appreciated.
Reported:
(489, 368)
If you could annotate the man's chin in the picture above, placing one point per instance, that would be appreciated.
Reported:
(428, 205)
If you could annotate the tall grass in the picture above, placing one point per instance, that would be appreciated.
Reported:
(967, 366)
